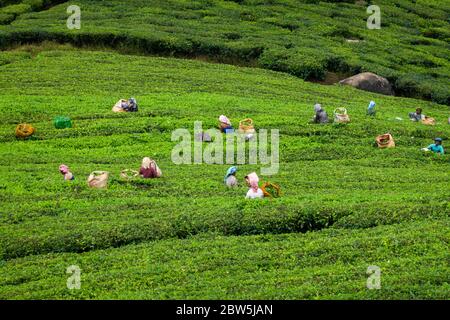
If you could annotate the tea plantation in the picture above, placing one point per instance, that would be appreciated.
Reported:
(345, 205)
(306, 38)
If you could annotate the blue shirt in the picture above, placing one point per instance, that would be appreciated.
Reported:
(436, 148)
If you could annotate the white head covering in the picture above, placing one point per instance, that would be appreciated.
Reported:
(317, 107)
(146, 162)
(224, 119)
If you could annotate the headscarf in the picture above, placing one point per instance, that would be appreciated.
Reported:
(253, 181)
(147, 163)
(317, 107)
(63, 169)
(124, 104)
(224, 119)
(371, 105)
(230, 172)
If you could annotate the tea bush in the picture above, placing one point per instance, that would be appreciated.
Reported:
(305, 38)
(330, 264)
(334, 182)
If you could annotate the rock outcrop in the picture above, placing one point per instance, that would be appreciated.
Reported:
(369, 82)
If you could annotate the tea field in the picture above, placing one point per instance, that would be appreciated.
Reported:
(345, 204)
(310, 39)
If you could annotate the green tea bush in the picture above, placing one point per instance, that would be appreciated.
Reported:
(4, 3)
(345, 204)
(35, 222)
(16, 9)
(35, 4)
(303, 38)
(330, 264)
(6, 18)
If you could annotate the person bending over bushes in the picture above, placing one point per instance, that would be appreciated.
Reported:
(230, 178)
(417, 116)
(66, 172)
(371, 109)
(225, 124)
(321, 115)
(149, 169)
(123, 105)
(435, 147)
(254, 192)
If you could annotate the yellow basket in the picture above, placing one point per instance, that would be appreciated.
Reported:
(24, 130)
(128, 174)
(385, 141)
(246, 126)
(429, 121)
(271, 190)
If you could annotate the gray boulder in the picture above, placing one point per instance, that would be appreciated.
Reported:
(369, 82)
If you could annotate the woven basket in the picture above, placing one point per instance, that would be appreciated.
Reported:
(24, 130)
(271, 190)
(98, 179)
(341, 116)
(246, 126)
(118, 106)
(385, 141)
(429, 121)
(129, 174)
(62, 122)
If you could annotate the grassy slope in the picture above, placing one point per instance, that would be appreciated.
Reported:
(303, 38)
(349, 184)
(329, 264)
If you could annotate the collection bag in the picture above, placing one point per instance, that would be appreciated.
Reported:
(98, 179)
(271, 190)
(129, 174)
(385, 141)
(246, 126)
(24, 130)
(429, 121)
(341, 116)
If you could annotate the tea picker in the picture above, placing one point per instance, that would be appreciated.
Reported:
(254, 192)
(435, 147)
(66, 172)
(123, 105)
(149, 169)
(320, 114)
(225, 124)
(416, 116)
(371, 109)
(230, 178)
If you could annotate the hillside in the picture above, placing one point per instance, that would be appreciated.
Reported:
(345, 205)
(311, 39)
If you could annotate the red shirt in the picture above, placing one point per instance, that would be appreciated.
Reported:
(148, 173)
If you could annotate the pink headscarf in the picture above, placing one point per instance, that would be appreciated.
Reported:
(224, 119)
(253, 181)
(63, 169)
